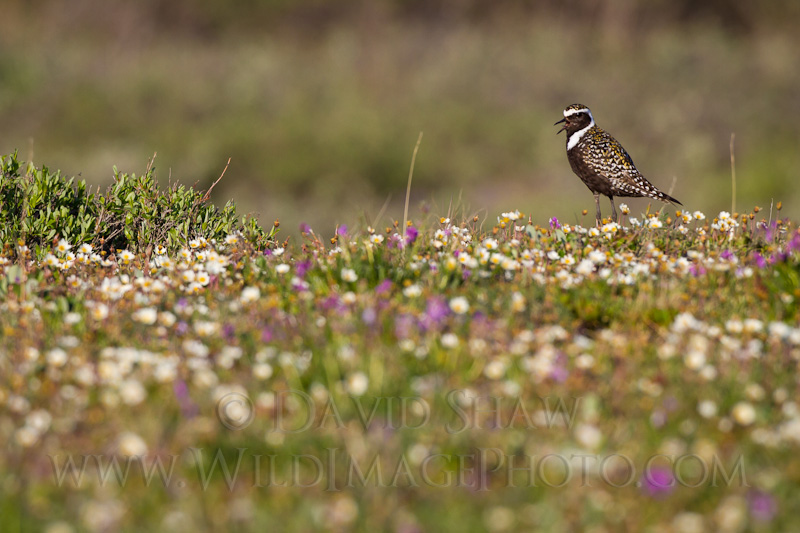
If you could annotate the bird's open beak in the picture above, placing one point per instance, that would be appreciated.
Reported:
(562, 127)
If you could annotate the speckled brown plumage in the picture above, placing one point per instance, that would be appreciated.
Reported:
(602, 163)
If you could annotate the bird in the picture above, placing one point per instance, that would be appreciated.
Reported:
(601, 162)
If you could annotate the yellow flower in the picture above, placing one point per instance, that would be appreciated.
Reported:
(744, 413)
(99, 311)
(145, 315)
(459, 305)
(349, 275)
(63, 246)
(125, 257)
(203, 278)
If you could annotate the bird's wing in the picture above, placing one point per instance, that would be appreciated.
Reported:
(610, 160)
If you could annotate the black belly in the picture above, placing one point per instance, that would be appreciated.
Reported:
(596, 183)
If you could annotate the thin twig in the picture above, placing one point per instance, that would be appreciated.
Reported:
(208, 192)
(771, 202)
(408, 187)
(150, 163)
(733, 176)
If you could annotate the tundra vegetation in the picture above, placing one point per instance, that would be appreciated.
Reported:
(167, 365)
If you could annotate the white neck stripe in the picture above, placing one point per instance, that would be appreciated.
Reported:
(570, 112)
(575, 138)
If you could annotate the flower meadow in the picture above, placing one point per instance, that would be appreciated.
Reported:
(458, 373)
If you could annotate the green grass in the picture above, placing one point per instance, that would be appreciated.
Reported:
(320, 129)
(637, 346)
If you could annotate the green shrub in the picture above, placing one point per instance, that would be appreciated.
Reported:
(39, 206)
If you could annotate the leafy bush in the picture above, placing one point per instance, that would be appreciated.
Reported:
(39, 206)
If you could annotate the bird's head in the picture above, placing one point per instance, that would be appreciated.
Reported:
(576, 117)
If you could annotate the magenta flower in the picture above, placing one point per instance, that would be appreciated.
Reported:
(554, 224)
(189, 409)
(302, 268)
(404, 326)
(697, 270)
(369, 316)
(771, 230)
(658, 482)
(435, 312)
(762, 505)
(794, 244)
(778, 257)
(332, 303)
(559, 372)
(384, 287)
(181, 305)
(759, 260)
(411, 234)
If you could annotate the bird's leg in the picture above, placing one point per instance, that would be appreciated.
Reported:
(597, 204)
(613, 209)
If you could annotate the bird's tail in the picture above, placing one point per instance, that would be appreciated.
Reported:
(667, 198)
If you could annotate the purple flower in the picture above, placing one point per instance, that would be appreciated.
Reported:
(181, 328)
(559, 373)
(759, 260)
(726, 255)
(403, 326)
(794, 244)
(383, 287)
(762, 505)
(302, 268)
(778, 257)
(395, 241)
(180, 389)
(304, 228)
(188, 408)
(770, 234)
(435, 312)
(331, 303)
(369, 316)
(266, 334)
(342, 231)
(658, 418)
(670, 403)
(554, 224)
(658, 482)
(181, 305)
(228, 331)
(697, 270)
(411, 234)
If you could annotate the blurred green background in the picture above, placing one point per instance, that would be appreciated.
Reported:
(319, 103)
